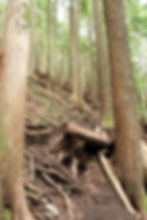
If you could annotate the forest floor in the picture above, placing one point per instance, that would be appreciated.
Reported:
(54, 188)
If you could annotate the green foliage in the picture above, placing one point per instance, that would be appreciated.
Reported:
(137, 23)
(85, 8)
(137, 17)
(85, 44)
(108, 121)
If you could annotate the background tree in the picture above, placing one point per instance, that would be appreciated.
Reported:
(32, 37)
(75, 57)
(54, 48)
(103, 64)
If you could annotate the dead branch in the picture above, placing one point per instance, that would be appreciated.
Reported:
(116, 185)
(39, 132)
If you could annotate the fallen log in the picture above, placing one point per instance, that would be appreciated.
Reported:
(94, 141)
(87, 135)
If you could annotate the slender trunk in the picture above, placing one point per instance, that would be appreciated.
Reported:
(128, 155)
(54, 52)
(48, 35)
(92, 73)
(32, 37)
(13, 69)
(103, 67)
(75, 52)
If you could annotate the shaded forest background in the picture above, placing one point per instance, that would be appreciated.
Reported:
(49, 24)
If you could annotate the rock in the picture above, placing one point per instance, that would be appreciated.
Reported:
(52, 211)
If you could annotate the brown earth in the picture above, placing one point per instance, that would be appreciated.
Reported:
(57, 190)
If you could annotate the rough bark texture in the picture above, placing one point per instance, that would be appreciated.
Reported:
(103, 68)
(128, 155)
(14, 66)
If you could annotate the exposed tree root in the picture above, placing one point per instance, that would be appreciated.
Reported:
(68, 203)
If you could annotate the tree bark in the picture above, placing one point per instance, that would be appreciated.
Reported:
(75, 52)
(54, 51)
(103, 67)
(32, 37)
(48, 35)
(128, 151)
(13, 74)
(92, 79)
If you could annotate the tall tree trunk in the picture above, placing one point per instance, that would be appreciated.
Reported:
(92, 73)
(128, 155)
(103, 67)
(48, 35)
(75, 51)
(32, 37)
(13, 74)
(54, 52)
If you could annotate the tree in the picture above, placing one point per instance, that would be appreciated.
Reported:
(127, 153)
(54, 48)
(32, 37)
(48, 35)
(103, 67)
(75, 51)
(92, 73)
(13, 74)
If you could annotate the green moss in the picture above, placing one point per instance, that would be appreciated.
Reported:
(142, 111)
(8, 214)
(144, 201)
(29, 192)
(108, 120)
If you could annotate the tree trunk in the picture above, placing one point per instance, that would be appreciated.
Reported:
(54, 52)
(127, 155)
(32, 37)
(13, 74)
(75, 52)
(48, 35)
(103, 67)
(92, 73)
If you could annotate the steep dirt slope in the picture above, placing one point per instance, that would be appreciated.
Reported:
(55, 188)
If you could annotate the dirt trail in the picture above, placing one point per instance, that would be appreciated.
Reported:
(53, 188)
